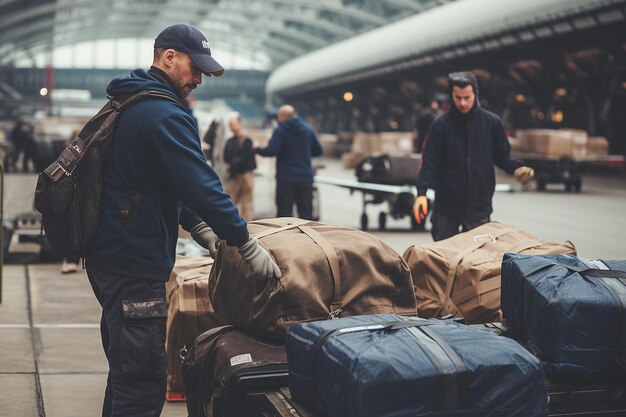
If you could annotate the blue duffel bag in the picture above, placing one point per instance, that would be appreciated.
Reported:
(571, 313)
(388, 365)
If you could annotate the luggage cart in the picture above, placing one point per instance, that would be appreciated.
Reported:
(564, 169)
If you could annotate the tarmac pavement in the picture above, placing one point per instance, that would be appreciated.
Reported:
(51, 358)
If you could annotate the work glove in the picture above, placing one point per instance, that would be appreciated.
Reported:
(260, 262)
(524, 174)
(204, 236)
(420, 208)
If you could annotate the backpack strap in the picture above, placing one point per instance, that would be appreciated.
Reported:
(74, 152)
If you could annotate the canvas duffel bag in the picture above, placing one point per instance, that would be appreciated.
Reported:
(189, 313)
(460, 276)
(225, 367)
(327, 271)
(388, 365)
(571, 313)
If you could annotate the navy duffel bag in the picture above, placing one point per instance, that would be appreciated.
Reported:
(388, 365)
(571, 313)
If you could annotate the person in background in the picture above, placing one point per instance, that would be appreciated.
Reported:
(457, 162)
(424, 119)
(155, 178)
(240, 156)
(293, 143)
(23, 139)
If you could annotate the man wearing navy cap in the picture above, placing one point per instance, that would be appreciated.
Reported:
(156, 178)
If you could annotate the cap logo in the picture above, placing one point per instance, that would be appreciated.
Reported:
(205, 45)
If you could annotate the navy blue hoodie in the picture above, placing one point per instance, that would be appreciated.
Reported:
(154, 169)
(458, 159)
(293, 143)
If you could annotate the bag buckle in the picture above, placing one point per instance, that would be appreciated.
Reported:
(335, 313)
(183, 352)
(488, 235)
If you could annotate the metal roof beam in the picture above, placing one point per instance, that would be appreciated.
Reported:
(56, 8)
(277, 49)
(416, 6)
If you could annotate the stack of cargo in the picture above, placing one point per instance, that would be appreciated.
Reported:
(368, 144)
(597, 146)
(376, 357)
(552, 143)
(329, 143)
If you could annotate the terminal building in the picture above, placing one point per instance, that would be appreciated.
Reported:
(349, 65)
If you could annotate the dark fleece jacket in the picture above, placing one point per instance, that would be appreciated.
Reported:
(154, 169)
(293, 143)
(458, 161)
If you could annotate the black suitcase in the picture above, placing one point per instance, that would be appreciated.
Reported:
(226, 371)
(391, 170)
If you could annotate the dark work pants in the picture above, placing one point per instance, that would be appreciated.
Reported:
(133, 337)
(288, 192)
(445, 227)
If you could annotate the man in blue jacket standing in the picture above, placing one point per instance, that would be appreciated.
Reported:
(458, 158)
(293, 143)
(156, 178)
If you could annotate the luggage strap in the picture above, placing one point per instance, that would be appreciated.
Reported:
(453, 388)
(483, 286)
(335, 307)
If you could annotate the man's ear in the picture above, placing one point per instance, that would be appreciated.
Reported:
(168, 58)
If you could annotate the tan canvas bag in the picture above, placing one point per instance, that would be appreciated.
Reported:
(328, 271)
(189, 312)
(461, 275)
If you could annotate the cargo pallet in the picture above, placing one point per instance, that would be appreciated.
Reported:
(564, 169)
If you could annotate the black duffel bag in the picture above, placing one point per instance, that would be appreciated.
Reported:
(391, 170)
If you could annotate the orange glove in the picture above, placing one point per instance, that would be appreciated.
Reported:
(420, 208)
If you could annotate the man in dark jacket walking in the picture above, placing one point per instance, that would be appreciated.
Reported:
(458, 158)
(240, 157)
(156, 178)
(293, 143)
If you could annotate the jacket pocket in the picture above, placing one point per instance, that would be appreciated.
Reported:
(142, 338)
(129, 209)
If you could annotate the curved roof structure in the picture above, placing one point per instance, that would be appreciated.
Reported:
(452, 26)
(273, 30)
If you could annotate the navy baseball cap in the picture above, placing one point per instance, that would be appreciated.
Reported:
(186, 38)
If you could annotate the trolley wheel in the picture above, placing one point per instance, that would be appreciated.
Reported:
(578, 185)
(382, 220)
(364, 221)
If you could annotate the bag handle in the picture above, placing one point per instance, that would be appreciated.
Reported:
(478, 243)
(584, 270)
(454, 388)
(329, 251)
(271, 231)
